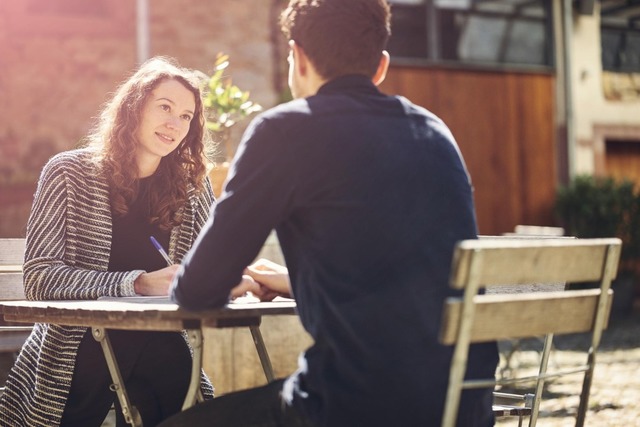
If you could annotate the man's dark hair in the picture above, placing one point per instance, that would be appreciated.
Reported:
(339, 36)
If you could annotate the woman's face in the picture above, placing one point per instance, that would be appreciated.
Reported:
(164, 123)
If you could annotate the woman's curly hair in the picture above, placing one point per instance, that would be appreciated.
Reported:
(113, 142)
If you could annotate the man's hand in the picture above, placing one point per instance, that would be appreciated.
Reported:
(272, 277)
(247, 284)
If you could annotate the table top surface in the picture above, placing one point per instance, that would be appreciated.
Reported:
(151, 313)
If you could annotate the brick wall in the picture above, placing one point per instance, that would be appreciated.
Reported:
(56, 69)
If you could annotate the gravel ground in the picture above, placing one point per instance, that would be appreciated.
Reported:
(615, 392)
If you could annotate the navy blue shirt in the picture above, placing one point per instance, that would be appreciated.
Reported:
(368, 194)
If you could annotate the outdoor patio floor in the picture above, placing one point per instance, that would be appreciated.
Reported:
(615, 391)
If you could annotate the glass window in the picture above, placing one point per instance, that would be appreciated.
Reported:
(481, 32)
(409, 32)
(620, 37)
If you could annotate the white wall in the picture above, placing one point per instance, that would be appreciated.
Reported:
(589, 103)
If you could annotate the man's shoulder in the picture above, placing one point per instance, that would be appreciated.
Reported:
(282, 118)
(322, 107)
(296, 107)
(423, 115)
(413, 109)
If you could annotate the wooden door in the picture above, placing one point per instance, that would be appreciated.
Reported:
(505, 126)
(622, 160)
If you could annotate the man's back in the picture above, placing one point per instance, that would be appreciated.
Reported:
(368, 195)
(371, 196)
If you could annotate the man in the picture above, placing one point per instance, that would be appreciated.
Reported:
(368, 194)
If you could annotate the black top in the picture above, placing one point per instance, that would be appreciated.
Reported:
(368, 194)
(131, 248)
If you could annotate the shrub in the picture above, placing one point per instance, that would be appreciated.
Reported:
(602, 207)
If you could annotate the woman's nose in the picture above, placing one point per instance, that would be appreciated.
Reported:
(173, 123)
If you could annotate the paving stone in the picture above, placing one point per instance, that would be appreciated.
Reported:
(615, 391)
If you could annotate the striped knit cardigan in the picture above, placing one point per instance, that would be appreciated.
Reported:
(67, 256)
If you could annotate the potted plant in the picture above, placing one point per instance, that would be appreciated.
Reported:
(591, 207)
(225, 105)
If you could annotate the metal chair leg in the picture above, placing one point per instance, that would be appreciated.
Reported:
(544, 362)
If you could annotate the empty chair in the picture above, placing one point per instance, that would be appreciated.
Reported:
(12, 337)
(538, 230)
(477, 317)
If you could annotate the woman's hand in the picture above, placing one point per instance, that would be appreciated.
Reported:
(272, 277)
(157, 282)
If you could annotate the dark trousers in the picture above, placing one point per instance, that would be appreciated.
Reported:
(256, 407)
(263, 407)
(155, 367)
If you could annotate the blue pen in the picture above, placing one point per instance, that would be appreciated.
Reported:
(161, 250)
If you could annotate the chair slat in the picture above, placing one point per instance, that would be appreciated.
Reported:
(535, 266)
(12, 251)
(512, 262)
(11, 287)
(12, 339)
(505, 316)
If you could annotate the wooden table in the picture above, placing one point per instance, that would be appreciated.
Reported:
(150, 314)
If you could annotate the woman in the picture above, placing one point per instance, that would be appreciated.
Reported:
(142, 174)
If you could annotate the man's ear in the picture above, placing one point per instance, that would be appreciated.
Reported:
(300, 58)
(383, 66)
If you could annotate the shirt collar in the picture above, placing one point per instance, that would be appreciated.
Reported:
(348, 83)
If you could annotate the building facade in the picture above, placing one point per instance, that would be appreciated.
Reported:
(534, 91)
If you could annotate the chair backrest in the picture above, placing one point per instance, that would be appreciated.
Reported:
(532, 287)
(537, 230)
(11, 288)
(478, 264)
(11, 259)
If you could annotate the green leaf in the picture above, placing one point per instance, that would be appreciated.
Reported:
(225, 103)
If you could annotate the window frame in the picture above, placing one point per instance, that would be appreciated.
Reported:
(433, 58)
(623, 20)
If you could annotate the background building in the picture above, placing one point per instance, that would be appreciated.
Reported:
(535, 91)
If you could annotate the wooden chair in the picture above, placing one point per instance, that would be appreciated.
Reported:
(477, 317)
(11, 288)
(11, 259)
(509, 348)
(537, 230)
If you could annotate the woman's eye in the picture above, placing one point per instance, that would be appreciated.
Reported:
(165, 107)
(186, 117)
